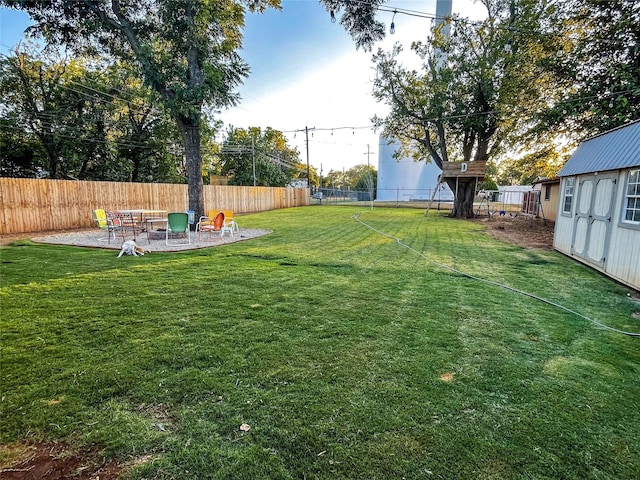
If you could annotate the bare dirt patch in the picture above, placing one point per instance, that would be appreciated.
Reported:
(520, 230)
(446, 377)
(55, 461)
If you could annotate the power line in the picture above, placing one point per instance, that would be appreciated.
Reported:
(68, 134)
(241, 149)
(42, 116)
(128, 102)
(282, 162)
(320, 129)
(604, 95)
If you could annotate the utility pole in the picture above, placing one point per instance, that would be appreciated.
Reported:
(253, 153)
(320, 188)
(306, 134)
(367, 153)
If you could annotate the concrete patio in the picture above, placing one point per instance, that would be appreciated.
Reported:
(96, 238)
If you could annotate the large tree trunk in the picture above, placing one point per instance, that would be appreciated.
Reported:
(52, 153)
(190, 131)
(464, 190)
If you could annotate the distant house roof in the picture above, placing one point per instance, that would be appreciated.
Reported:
(613, 150)
(546, 181)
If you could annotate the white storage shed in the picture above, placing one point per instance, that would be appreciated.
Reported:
(598, 218)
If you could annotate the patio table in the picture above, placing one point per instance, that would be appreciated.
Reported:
(150, 221)
(142, 214)
(144, 218)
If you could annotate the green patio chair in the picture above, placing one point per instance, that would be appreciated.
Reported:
(178, 223)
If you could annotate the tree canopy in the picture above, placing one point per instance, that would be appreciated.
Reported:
(262, 158)
(70, 118)
(531, 71)
(473, 97)
(595, 72)
(357, 177)
(186, 51)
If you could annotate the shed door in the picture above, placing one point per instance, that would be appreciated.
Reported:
(592, 223)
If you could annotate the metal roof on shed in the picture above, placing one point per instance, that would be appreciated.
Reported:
(613, 150)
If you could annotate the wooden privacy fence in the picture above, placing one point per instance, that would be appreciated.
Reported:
(30, 205)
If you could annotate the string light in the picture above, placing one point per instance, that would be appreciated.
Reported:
(333, 17)
(564, 104)
(392, 28)
(331, 129)
(466, 21)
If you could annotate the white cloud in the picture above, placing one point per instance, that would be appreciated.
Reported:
(333, 95)
(307, 73)
(337, 92)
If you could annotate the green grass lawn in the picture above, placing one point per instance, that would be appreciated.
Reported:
(349, 355)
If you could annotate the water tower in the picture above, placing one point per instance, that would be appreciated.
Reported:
(405, 179)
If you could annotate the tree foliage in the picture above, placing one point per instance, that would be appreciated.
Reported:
(253, 157)
(186, 51)
(359, 19)
(36, 103)
(357, 177)
(80, 120)
(595, 72)
(365, 179)
(473, 97)
(21, 154)
(530, 72)
(526, 169)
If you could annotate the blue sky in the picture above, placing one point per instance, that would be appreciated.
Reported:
(12, 25)
(306, 72)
